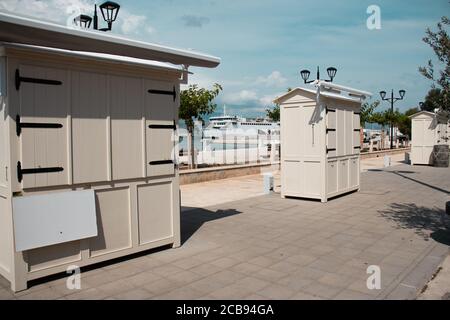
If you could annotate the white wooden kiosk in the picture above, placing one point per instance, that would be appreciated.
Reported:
(87, 169)
(426, 132)
(320, 141)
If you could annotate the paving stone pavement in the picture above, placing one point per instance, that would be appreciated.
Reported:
(272, 248)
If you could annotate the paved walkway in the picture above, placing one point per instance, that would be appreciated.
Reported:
(439, 287)
(378, 163)
(205, 194)
(269, 248)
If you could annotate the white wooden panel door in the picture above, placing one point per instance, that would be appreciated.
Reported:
(114, 221)
(340, 132)
(90, 136)
(155, 212)
(354, 172)
(423, 135)
(43, 126)
(161, 100)
(292, 177)
(291, 133)
(127, 127)
(332, 177)
(348, 125)
(343, 172)
(311, 136)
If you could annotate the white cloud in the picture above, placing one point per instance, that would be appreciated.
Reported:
(248, 97)
(131, 23)
(243, 96)
(275, 79)
(52, 10)
(267, 100)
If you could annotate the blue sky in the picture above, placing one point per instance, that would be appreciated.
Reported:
(263, 44)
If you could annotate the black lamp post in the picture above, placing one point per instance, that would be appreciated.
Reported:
(392, 100)
(109, 11)
(331, 73)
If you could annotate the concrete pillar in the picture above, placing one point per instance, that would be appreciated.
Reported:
(371, 145)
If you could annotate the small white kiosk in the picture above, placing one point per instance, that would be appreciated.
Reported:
(320, 140)
(426, 132)
(87, 165)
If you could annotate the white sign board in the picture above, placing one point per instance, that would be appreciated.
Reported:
(48, 219)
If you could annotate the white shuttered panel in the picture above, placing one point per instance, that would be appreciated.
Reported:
(89, 127)
(42, 126)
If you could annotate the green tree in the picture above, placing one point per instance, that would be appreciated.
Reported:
(404, 121)
(195, 103)
(367, 112)
(273, 113)
(439, 41)
(433, 100)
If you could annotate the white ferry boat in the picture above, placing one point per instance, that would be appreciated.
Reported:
(226, 127)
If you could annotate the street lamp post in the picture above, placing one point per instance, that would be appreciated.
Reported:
(392, 100)
(331, 73)
(109, 11)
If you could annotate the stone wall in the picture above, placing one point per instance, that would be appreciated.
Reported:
(217, 173)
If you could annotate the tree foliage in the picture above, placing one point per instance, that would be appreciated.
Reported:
(433, 100)
(195, 103)
(273, 113)
(367, 112)
(439, 41)
(398, 119)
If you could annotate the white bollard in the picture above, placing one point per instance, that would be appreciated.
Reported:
(268, 182)
(387, 161)
(407, 158)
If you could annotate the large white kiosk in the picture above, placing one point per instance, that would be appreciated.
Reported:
(87, 168)
(320, 140)
(427, 130)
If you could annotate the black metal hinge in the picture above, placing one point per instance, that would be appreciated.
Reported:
(164, 92)
(20, 79)
(34, 125)
(331, 149)
(357, 130)
(330, 110)
(328, 130)
(160, 162)
(359, 147)
(21, 172)
(162, 126)
(358, 113)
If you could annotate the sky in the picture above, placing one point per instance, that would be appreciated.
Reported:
(264, 44)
